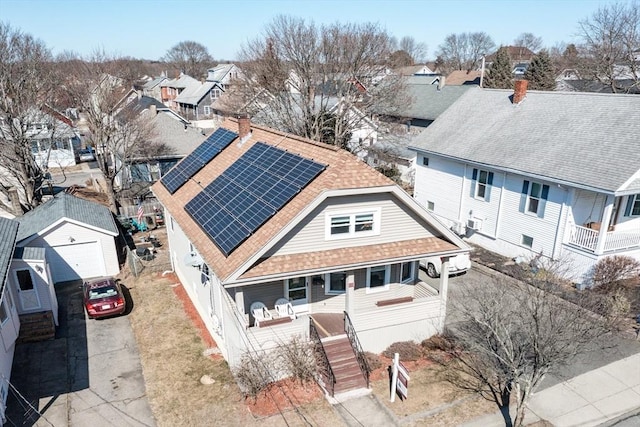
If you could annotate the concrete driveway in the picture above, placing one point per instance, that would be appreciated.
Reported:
(89, 375)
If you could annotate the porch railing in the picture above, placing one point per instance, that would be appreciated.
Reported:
(357, 348)
(587, 238)
(322, 359)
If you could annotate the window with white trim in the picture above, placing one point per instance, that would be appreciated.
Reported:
(533, 198)
(527, 241)
(297, 289)
(481, 182)
(336, 283)
(207, 110)
(356, 224)
(633, 205)
(378, 278)
(406, 271)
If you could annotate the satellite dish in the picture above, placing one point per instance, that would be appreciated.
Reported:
(193, 259)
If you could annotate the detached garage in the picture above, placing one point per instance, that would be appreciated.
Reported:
(79, 237)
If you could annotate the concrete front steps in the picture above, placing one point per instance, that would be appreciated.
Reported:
(344, 365)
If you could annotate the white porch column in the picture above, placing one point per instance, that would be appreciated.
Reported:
(350, 293)
(604, 225)
(444, 287)
(239, 299)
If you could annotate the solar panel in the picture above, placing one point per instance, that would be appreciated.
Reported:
(249, 192)
(203, 154)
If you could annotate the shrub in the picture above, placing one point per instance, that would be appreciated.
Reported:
(373, 360)
(408, 350)
(298, 359)
(439, 342)
(252, 374)
(616, 269)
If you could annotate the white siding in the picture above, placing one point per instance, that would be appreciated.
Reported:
(441, 183)
(40, 283)
(396, 223)
(64, 232)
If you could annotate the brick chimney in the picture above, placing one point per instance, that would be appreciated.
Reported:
(244, 126)
(14, 199)
(520, 91)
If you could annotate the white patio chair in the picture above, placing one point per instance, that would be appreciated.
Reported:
(284, 308)
(259, 312)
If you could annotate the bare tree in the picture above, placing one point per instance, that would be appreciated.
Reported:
(511, 335)
(417, 51)
(190, 57)
(26, 88)
(464, 51)
(316, 82)
(115, 129)
(530, 41)
(611, 40)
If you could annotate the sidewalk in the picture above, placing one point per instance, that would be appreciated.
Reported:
(590, 399)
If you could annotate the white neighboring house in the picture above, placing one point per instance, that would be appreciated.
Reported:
(526, 173)
(342, 247)
(78, 237)
(53, 139)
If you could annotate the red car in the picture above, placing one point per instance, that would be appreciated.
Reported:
(103, 297)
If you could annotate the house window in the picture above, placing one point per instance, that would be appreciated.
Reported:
(205, 274)
(406, 271)
(527, 241)
(533, 198)
(425, 161)
(353, 224)
(207, 110)
(481, 182)
(3, 313)
(24, 280)
(378, 278)
(336, 283)
(297, 289)
(430, 206)
(633, 205)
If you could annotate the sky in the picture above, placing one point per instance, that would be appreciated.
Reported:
(147, 29)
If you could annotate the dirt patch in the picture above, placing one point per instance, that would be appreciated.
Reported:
(283, 396)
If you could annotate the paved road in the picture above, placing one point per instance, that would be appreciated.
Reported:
(90, 375)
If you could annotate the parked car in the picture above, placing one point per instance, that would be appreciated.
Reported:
(457, 265)
(86, 155)
(103, 297)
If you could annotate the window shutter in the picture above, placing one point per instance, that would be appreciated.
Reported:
(487, 195)
(627, 210)
(543, 200)
(474, 178)
(523, 196)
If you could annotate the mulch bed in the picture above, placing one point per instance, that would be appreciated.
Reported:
(282, 396)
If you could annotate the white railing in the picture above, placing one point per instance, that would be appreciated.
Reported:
(587, 238)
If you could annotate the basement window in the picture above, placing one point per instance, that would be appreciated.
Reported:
(527, 241)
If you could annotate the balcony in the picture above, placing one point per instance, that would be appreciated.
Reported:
(587, 239)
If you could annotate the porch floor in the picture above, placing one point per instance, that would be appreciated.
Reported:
(329, 324)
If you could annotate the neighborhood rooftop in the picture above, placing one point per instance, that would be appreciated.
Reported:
(64, 205)
(8, 232)
(566, 137)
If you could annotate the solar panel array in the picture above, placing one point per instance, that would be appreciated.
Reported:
(249, 192)
(199, 157)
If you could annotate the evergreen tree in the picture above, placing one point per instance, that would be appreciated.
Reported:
(500, 75)
(540, 73)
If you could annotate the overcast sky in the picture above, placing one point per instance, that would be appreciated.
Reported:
(148, 28)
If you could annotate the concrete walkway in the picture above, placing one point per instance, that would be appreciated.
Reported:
(364, 411)
(590, 399)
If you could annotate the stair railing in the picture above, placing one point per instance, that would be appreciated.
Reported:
(322, 359)
(357, 348)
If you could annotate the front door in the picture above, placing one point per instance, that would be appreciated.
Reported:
(297, 292)
(29, 299)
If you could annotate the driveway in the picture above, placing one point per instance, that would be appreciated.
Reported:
(89, 375)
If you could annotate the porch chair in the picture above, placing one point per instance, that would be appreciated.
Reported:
(259, 312)
(284, 308)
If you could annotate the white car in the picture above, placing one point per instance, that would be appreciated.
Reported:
(457, 265)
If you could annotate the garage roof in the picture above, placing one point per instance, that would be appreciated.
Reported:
(64, 205)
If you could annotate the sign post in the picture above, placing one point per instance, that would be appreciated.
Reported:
(399, 379)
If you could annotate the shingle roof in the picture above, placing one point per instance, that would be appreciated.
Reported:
(217, 73)
(194, 93)
(462, 77)
(153, 83)
(30, 253)
(429, 102)
(64, 205)
(180, 138)
(343, 171)
(8, 233)
(585, 139)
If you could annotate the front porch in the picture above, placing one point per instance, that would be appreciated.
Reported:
(599, 241)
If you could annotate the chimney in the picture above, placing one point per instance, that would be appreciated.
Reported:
(14, 198)
(520, 91)
(153, 109)
(441, 82)
(244, 126)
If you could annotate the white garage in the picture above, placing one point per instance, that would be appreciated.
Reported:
(78, 236)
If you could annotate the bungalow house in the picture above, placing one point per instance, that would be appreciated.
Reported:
(74, 237)
(526, 173)
(274, 236)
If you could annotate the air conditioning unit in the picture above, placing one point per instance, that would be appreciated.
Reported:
(459, 228)
(474, 223)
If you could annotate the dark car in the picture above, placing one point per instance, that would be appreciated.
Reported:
(103, 297)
